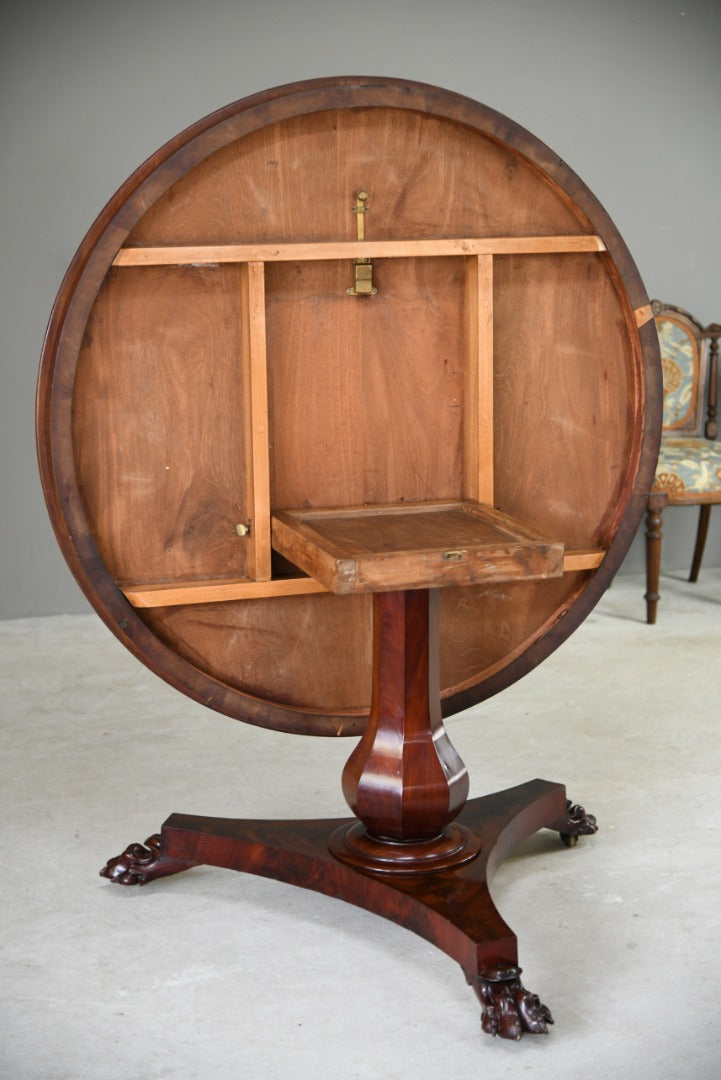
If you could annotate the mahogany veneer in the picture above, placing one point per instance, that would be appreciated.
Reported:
(362, 356)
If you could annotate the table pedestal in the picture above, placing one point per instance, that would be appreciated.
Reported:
(414, 853)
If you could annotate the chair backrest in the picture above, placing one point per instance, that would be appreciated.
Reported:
(684, 357)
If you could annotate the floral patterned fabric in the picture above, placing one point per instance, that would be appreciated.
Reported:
(680, 360)
(688, 466)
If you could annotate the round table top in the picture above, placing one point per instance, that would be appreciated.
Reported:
(343, 293)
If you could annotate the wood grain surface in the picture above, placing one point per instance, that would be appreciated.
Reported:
(158, 424)
(413, 546)
(521, 378)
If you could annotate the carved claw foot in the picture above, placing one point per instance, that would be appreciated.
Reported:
(140, 863)
(509, 1009)
(576, 823)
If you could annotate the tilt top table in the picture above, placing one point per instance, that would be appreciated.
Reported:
(347, 411)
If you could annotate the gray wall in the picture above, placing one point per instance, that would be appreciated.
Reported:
(626, 91)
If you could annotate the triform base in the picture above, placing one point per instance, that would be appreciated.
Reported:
(449, 906)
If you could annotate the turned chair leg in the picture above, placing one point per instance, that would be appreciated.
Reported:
(701, 533)
(656, 504)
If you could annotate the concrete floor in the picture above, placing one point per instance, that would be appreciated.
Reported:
(213, 974)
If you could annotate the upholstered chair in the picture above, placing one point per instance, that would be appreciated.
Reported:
(689, 464)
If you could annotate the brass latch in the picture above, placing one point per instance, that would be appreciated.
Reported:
(363, 284)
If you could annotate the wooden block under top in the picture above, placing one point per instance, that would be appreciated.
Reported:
(413, 546)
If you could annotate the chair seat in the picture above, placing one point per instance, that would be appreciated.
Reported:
(688, 466)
